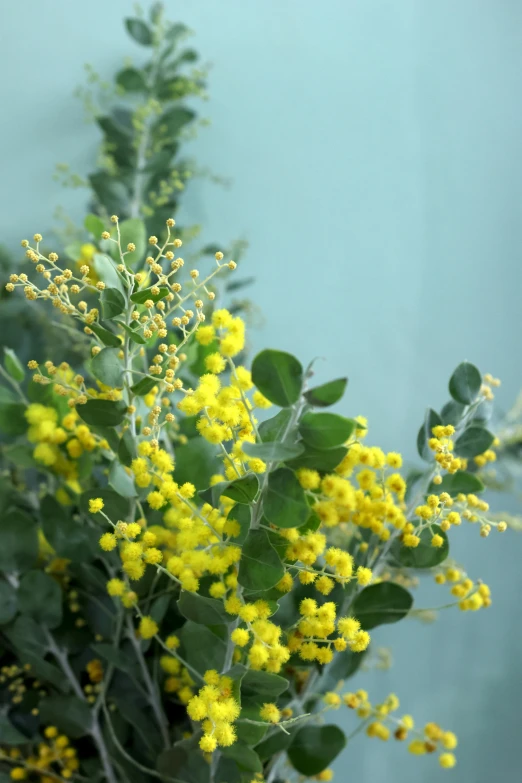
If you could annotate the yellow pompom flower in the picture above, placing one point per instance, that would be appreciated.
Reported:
(108, 542)
(148, 628)
(270, 713)
(95, 505)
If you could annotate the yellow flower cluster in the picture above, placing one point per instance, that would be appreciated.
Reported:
(215, 707)
(472, 595)
(382, 724)
(311, 637)
(266, 651)
(51, 760)
(60, 441)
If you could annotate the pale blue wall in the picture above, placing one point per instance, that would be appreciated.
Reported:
(375, 149)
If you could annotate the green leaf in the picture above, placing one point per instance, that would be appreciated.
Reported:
(465, 383)
(202, 610)
(279, 376)
(244, 756)
(326, 430)
(107, 367)
(13, 365)
(195, 462)
(121, 481)
(133, 230)
(8, 603)
(106, 270)
(69, 713)
(10, 735)
(27, 636)
(424, 555)
(327, 394)
(473, 441)
(276, 428)
(68, 537)
(105, 413)
(140, 297)
(116, 657)
(94, 225)
(107, 338)
(323, 460)
(285, 502)
(382, 603)
(111, 193)
(131, 80)
(140, 31)
(40, 597)
(263, 685)
(452, 413)
(173, 121)
(202, 647)
(12, 416)
(343, 666)
(136, 337)
(455, 483)
(242, 490)
(112, 303)
(185, 762)
(431, 419)
(18, 541)
(115, 506)
(315, 747)
(127, 448)
(273, 451)
(144, 386)
(260, 567)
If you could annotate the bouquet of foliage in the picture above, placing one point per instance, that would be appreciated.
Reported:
(188, 579)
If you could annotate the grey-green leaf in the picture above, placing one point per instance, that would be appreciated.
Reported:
(473, 441)
(326, 430)
(279, 376)
(465, 383)
(260, 567)
(285, 502)
(107, 367)
(327, 394)
(382, 603)
(273, 451)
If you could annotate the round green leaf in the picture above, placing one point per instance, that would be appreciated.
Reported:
(323, 460)
(105, 413)
(107, 338)
(276, 428)
(140, 31)
(140, 297)
(13, 365)
(455, 483)
(8, 603)
(40, 597)
(452, 412)
(327, 394)
(144, 386)
(424, 555)
(325, 430)
(112, 303)
(382, 603)
(431, 419)
(465, 383)
(279, 376)
(69, 538)
(18, 542)
(285, 502)
(315, 747)
(94, 225)
(131, 80)
(273, 451)
(473, 441)
(260, 567)
(71, 714)
(203, 610)
(107, 367)
(121, 481)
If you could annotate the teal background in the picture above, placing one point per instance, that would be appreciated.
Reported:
(375, 154)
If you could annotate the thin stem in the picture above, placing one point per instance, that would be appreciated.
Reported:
(154, 698)
(95, 731)
(14, 384)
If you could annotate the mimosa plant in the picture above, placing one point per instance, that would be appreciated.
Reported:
(188, 578)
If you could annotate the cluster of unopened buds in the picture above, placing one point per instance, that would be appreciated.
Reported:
(381, 724)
